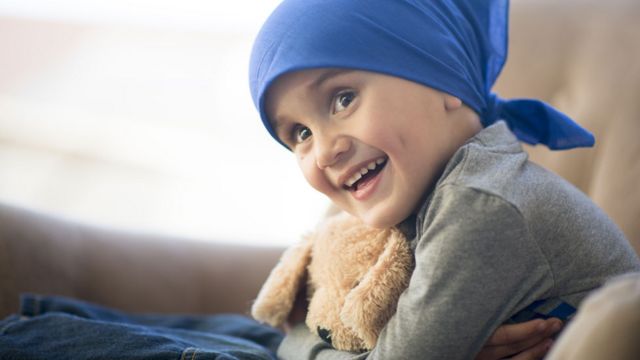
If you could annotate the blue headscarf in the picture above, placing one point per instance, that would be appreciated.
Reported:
(456, 46)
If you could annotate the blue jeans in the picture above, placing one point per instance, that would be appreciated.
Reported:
(62, 328)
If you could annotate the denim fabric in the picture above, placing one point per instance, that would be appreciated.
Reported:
(62, 328)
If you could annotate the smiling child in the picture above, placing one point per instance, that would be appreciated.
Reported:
(387, 107)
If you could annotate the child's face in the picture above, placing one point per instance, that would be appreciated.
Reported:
(342, 124)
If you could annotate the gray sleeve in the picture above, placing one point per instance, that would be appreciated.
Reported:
(476, 264)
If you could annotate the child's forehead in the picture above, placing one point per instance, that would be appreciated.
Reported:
(307, 78)
(297, 82)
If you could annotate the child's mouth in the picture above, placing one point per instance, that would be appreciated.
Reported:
(367, 177)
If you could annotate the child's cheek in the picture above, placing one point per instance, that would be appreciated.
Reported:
(371, 126)
(312, 173)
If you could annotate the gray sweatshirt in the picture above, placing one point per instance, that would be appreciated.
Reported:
(496, 235)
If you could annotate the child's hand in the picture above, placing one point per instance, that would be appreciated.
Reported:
(528, 340)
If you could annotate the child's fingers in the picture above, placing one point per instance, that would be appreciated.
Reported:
(530, 340)
(536, 352)
(517, 333)
(533, 348)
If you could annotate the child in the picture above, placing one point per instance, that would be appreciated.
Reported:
(387, 107)
(396, 140)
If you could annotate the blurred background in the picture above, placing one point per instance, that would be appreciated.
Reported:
(136, 114)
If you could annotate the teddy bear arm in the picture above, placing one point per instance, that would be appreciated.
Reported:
(371, 303)
(277, 296)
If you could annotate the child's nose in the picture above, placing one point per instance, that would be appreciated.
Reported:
(329, 150)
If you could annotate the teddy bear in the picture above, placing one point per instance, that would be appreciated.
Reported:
(354, 276)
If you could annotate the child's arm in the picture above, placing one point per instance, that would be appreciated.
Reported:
(476, 265)
(525, 341)
(471, 275)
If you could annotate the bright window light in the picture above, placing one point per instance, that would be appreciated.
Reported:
(137, 115)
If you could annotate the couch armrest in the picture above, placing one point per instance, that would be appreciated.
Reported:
(134, 272)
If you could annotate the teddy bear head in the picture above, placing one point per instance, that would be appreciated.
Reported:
(354, 275)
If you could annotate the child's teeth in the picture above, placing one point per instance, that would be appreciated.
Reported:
(357, 176)
(354, 178)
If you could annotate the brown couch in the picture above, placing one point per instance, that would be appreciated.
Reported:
(582, 56)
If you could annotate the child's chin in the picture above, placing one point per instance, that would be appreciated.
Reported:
(380, 220)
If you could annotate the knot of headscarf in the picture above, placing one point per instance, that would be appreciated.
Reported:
(493, 111)
(536, 122)
(455, 46)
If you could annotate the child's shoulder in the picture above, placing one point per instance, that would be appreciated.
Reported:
(493, 163)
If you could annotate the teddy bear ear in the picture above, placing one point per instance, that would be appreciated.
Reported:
(277, 296)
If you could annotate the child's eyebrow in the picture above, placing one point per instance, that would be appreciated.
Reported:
(276, 125)
(326, 76)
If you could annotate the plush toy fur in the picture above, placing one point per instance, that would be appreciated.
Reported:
(355, 275)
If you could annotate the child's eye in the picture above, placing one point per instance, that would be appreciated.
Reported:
(342, 100)
(300, 133)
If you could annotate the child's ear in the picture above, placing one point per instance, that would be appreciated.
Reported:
(451, 102)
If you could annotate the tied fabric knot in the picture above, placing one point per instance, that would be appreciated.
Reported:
(493, 111)
(535, 122)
